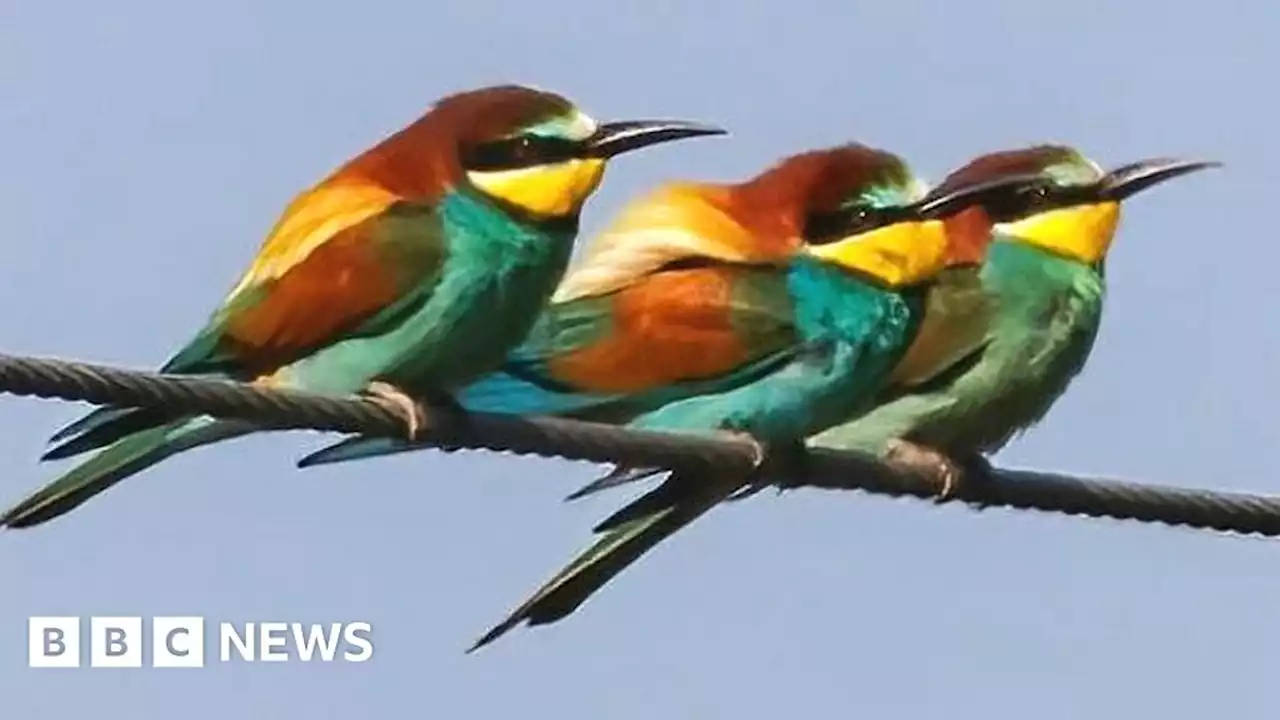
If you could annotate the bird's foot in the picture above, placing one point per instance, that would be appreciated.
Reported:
(397, 401)
(790, 456)
(759, 451)
(929, 462)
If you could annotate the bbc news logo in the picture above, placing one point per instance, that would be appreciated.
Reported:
(180, 642)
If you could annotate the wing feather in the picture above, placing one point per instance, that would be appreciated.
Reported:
(666, 335)
(342, 259)
(675, 222)
(673, 327)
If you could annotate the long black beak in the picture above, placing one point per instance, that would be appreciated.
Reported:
(956, 199)
(616, 138)
(1126, 180)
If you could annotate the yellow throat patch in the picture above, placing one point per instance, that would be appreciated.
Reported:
(553, 190)
(1080, 232)
(901, 254)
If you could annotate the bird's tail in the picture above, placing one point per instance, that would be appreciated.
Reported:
(355, 448)
(620, 475)
(628, 535)
(102, 427)
(129, 455)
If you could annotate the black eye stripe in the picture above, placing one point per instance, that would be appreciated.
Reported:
(519, 152)
(1014, 204)
(823, 228)
(1024, 202)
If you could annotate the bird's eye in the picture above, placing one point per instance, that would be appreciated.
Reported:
(1039, 199)
(1024, 202)
(858, 220)
(522, 149)
(863, 219)
(833, 226)
(519, 152)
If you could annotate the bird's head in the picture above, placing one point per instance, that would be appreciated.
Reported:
(535, 151)
(759, 221)
(1068, 206)
(873, 216)
(850, 205)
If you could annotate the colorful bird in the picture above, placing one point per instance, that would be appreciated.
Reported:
(411, 270)
(773, 308)
(1004, 342)
(682, 295)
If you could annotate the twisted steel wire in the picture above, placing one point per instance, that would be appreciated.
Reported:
(576, 440)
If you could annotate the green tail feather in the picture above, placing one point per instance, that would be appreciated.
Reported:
(129, 456)
(631, 532)
(103, 427)
(620, 475)
(91, 420)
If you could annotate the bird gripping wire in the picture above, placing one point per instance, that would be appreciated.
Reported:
(599, 443)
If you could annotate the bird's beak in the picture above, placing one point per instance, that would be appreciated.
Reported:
(1126, 180)
(953, 200)
(615, 138)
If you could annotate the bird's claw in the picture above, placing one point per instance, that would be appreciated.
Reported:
(758, 450)
(793, 456)
(397, 401)
(926, 461)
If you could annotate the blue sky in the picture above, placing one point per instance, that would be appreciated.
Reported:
(149, 146)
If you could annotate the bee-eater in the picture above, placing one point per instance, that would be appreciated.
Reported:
(1006, 340)
(773, 308)
(409, 271)
(685, 293)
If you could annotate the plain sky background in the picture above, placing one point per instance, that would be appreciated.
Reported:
(148, 146)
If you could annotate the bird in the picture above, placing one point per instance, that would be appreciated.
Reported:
(682, 294)
(780, 304)
(408, 271)
(1007, 339)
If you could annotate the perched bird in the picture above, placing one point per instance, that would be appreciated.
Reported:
(773, 308)
(1001, 343)
(685, 294)
(410, 270)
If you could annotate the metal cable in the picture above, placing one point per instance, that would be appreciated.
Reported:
(575, 440)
